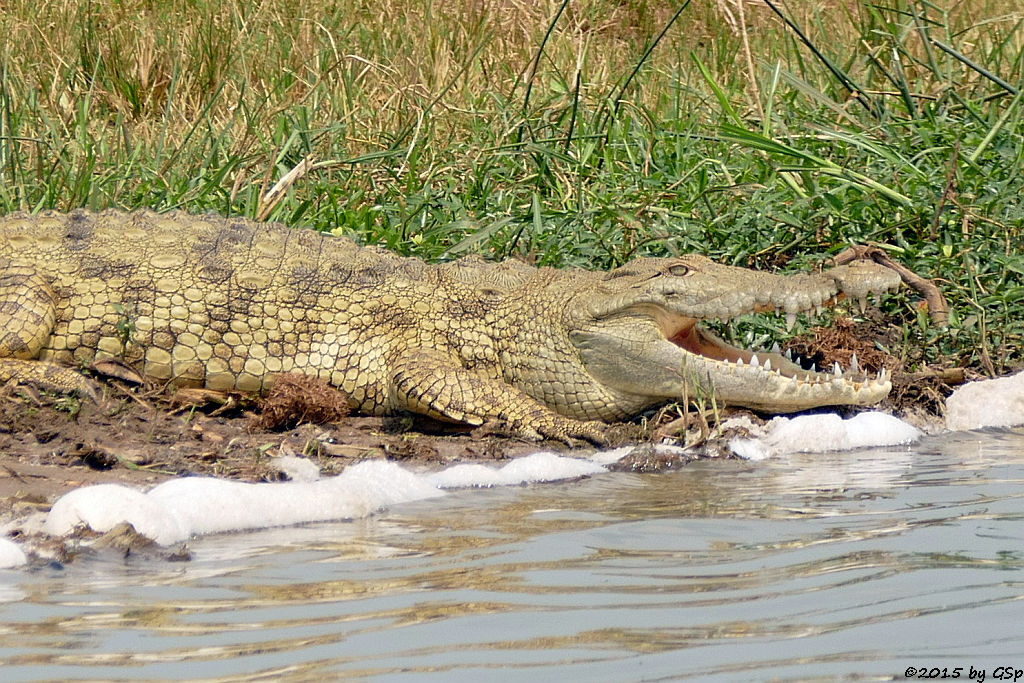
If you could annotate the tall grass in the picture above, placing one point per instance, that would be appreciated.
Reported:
(566, 132)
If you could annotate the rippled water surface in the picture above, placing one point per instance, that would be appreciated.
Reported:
(825, 567)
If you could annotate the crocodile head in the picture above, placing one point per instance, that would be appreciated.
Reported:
(638, 332)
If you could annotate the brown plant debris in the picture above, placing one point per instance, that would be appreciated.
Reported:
(825, 346)
(297, 399)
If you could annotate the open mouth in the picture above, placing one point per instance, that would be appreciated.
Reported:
(687, 334)
(651, 352)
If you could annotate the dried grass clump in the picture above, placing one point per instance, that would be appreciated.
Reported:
(296, 398)
(838, 343)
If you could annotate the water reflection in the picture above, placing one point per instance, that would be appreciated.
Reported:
(837, 565)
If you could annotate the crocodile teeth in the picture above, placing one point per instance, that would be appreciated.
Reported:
(754, 361)
(862, 303)
(768, 364)
(789, 355)
(854, 364)
(790, 321)
(836, 370)
(776, 348)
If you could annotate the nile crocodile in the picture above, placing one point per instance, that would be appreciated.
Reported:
(227, 303)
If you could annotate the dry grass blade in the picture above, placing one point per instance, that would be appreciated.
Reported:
(273, 197)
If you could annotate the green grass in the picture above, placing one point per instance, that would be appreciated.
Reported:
(580, 133)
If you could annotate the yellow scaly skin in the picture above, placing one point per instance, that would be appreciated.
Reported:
(227, 303)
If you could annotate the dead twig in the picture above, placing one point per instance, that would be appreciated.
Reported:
(945, 375)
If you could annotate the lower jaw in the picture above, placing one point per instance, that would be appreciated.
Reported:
(763, 390)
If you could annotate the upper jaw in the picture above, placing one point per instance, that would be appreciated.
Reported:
(714, 291)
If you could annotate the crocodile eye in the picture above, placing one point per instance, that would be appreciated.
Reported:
(678, 270)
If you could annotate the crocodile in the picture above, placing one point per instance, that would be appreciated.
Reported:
(228, 303)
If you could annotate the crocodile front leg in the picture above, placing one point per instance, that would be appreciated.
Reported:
(431, 383)
(28, 309)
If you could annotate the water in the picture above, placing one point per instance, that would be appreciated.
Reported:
(822, 567)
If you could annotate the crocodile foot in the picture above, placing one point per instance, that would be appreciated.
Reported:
(47, 376)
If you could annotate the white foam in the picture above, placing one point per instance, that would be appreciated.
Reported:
(612, 456)
(829, 432)
(11, 554)
(989, 403)
(535, 468)
(104, 506)
(180, 508)
(297, 469)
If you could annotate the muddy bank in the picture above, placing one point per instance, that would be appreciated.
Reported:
(51, 444)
